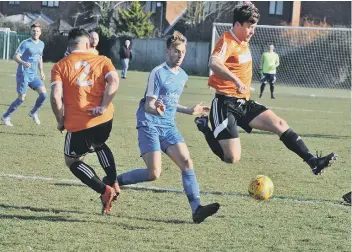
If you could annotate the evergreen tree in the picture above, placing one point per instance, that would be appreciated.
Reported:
(134, 21)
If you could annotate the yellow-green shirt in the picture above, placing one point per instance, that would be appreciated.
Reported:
(270, 61)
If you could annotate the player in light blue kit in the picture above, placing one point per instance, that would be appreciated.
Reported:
(29, 57)
(157, 129)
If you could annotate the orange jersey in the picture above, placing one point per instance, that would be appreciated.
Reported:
(236, 56)
(83, 77)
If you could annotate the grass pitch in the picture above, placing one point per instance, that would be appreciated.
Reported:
(305, 213)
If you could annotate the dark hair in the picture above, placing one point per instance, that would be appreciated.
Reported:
(75, 34)
(245, 12)
(34, 25)
(175, 39)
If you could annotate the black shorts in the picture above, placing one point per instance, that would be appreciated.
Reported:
(81, 142)
(271, 78)
(229, 112)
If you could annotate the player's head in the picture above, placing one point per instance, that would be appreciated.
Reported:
(271, 48)
(176, 48)
(78, 39)
(245, 19)
(36, 31)
(127, 43)
(94, 39)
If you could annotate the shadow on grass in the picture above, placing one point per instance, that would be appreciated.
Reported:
(21, 134)
(39, 209)
(328, 136)
(40, 218)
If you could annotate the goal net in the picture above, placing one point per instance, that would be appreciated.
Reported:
(313, 61)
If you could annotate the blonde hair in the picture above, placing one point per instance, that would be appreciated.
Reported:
(176, 39)
(35, 25)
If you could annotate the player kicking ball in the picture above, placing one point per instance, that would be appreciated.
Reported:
(231, 63)
(157, 129)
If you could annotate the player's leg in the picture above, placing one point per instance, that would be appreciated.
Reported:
(347, 198)
(269, 121)
(38, 85)
(262, 87)
(223, 140)
(75, 149)
(98, 135)
(149, 145)
(22, 85)
(272, 87)
(177, 150)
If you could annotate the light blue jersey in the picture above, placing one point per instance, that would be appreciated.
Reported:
(30, 52)
(166, 85)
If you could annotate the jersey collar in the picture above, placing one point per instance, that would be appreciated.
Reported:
(175, 73)
(237, 39)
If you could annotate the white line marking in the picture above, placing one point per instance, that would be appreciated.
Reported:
(306, 110)
(158, 189)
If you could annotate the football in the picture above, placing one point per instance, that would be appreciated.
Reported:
(261, 187)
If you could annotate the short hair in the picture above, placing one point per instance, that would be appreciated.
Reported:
(75, 35)
(245, 12)
(34, 25)
(175, 39)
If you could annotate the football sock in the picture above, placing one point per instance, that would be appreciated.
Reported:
(213, 143)
(14, 105)
(294, 143)
(262, 87)
(272, 89)
(133, 177)
(191, 188)
(39, 102)
(88, 176)
(106, 160)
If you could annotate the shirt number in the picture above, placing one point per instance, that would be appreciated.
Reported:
(81, 79)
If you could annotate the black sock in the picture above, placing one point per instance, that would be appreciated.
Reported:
(294, 143)
(88, 176)
(213, 144)
(107, 161)
(272, 89)
(262, 88)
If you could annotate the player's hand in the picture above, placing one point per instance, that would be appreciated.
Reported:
(60, 127)
(200, 110)
(26, 64)
(97, 111)
(42, 76)
(160, 107)
(242, 89)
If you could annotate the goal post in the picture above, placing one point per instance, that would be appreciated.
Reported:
(313, 61)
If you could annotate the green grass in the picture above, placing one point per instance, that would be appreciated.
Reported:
(305, 213)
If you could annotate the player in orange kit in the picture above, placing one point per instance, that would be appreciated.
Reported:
(82, 88)
(231, 63)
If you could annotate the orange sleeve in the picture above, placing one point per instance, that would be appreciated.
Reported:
(221, 49)
(108, 67)
(55, 74)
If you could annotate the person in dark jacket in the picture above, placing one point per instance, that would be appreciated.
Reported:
(125, 57)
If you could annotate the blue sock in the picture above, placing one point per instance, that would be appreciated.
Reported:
(13, 107)
(191, 188)
(133, 177)
(39, 102)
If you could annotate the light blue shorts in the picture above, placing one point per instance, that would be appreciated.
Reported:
(23, 81)
(154, 138)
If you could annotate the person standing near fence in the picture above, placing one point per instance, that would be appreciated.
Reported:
(269, 61)
(125, 57)
(29, 57)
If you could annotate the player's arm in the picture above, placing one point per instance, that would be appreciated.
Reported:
(56, 95)
(111, 88)
(112, 80)
(277, 62)
(41, 68)
(17, 57)
(216, 64)
(153, 105)
(195, 110)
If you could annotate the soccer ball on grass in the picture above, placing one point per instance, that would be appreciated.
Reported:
(261, 187)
